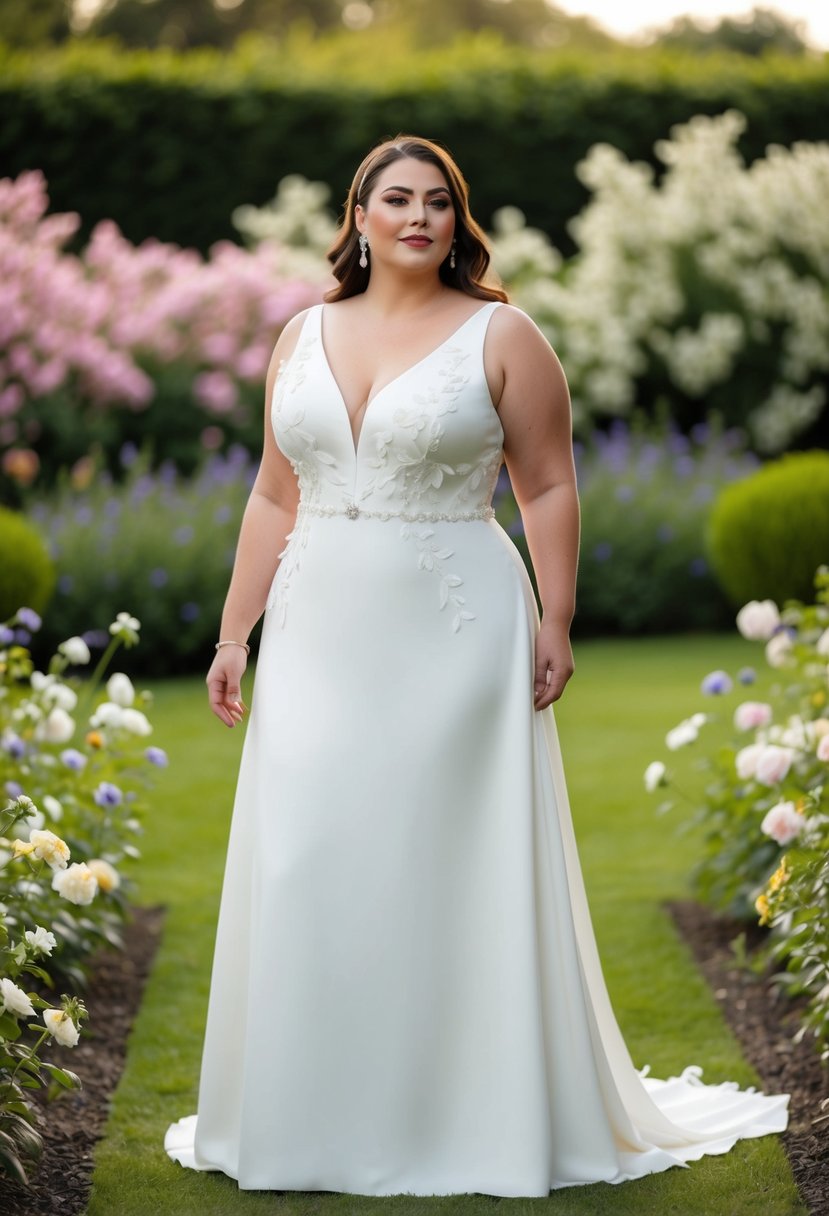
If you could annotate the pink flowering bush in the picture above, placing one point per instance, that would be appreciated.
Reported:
(764, 808)
(152, 333)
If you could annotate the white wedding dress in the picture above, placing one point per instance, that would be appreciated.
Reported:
(406, 992)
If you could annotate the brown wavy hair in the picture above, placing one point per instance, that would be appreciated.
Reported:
(472, 257)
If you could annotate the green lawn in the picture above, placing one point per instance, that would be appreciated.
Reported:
(612, 722)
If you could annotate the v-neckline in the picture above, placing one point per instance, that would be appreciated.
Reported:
(355, 443)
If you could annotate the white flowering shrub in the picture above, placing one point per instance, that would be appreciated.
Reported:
(764, 809)
(74, 762)
(707, 290)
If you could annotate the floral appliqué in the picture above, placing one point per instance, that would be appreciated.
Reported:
(312, 469)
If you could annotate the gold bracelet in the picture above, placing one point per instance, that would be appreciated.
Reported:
(244, 645)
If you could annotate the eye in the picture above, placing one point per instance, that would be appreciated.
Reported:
(396, 198)
(440, 203)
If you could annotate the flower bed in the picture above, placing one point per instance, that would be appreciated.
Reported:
(67, 835)
(764, 809)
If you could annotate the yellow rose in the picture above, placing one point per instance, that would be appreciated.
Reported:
(779, 876)
(22, 848)
(108, 877)
(821, 727)
(761, 903)
(95, 739)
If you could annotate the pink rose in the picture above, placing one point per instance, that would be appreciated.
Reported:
(751, 714)
(783, 823)
(746, 760)
(823, 748)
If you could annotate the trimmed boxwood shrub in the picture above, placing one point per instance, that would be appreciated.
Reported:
(28, 572)
(768, 534)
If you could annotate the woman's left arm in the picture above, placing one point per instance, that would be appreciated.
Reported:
(533, 404)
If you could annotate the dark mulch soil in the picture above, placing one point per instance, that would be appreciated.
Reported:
(74, 1121)
(765, 1022)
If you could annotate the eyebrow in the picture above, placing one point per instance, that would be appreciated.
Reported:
(406, 190)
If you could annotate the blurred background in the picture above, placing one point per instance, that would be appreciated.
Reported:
(653, 180)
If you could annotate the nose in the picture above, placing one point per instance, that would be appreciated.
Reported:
(419, 214)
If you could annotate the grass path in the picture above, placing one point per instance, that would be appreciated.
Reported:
(612, 721)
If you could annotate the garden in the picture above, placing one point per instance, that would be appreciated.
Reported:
(686, 295)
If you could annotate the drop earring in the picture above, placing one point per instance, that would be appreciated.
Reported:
(363, 248)
(452, 257)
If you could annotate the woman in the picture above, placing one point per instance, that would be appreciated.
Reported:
(406, 993)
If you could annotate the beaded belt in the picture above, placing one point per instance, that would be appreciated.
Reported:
(352, 511)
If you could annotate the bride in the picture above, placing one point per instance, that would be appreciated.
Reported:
(406, 994)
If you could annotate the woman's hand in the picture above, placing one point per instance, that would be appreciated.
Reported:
(224, 681)
(553, 663)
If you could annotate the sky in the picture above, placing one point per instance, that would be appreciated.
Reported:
(633, 15)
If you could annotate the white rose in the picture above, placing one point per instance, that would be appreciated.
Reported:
(52, 807)
(61, 1027)
(61, 695)
(822, 644)
(783, 823)
(108, 713)
(120, 690)
(76, 651)
(33, 823)
(751, 714)
(136, 722)
(823, 748)
(654, 775)
(778, 650)
(77, 884)
(41, 940)
(773, 764)
(106, 875)
(56, 727)
(746, 760)
(797, 733)
(686, 732)
(698, 720)
(50, 848)
(15, 1000)
(758, 619)
(39, 680)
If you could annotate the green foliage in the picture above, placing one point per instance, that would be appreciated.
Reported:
(88, 114)
(28, 570)
(768, 534)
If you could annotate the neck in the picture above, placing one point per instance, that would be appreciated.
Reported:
(394, 294)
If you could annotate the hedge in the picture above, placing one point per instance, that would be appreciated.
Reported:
(168, 144)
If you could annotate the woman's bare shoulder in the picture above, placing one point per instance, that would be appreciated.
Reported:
(514, 337)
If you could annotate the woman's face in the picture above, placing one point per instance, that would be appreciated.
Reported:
(409, 218)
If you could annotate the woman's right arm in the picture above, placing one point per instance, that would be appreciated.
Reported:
(269, 517)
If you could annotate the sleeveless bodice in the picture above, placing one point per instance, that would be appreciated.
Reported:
(430, 444)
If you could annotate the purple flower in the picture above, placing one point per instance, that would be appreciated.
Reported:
(189, 611)
(157, 756)
(624, 493)
(96, 638)
(665, 533)
(716, 683)
(158, 577)
(13, 789)
(221, 515)
(746, 675)
(698, 567)
(602, 551)
(128, 454)
(183, 535)
(28, 618)
(107, 794)
(73, 759)
(22, 637)
(6, 635)
(84, 515)
(66, 584)
(14, 746)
